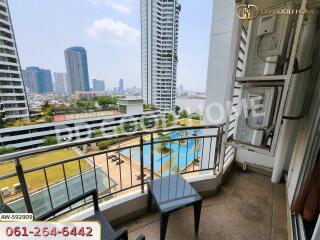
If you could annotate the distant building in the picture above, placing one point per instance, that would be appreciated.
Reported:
(77, 70)
(30, 137)
(134, 91)
(121, 86)
(13, 100)
(38, 80)
(60, 82)
(181, 90)
(47, 81)
(98, 85)
(30, 81)
(159, 52)
(130, 105)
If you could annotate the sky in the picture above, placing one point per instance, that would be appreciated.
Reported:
(110, 32)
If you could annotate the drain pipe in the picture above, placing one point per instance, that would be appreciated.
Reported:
(295, 100)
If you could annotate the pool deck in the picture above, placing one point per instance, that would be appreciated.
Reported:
(126, 174)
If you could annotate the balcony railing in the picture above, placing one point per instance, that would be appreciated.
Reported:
(128, 164)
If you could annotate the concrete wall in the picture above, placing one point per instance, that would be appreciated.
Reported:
(134, 109)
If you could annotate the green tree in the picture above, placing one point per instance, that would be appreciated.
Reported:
(85, 104)
(177, 110)
(105, 101)
(195, 116)
(96, 133)
(47, 111)
(45, 105)
(164, 145)
(183, 134)
(149, 107)
(176, 169)
(196, 161)
(2, 122)
(159, 123)
(102, 145)
(183, 114)
(148, 122)
(50, 140)
(6, 150)
(170, 119)
(128, 127)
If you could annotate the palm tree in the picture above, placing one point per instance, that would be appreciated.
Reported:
(164, 145)
(176, 169)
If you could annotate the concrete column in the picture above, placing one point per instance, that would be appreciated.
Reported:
(221, 60)
(222, 55)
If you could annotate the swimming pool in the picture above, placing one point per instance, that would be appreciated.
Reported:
(181, 155)
(41, 202)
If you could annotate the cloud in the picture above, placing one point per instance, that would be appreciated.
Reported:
(121, 6)
(94, 2)
(112, 31)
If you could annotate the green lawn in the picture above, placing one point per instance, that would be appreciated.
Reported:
(36, 179)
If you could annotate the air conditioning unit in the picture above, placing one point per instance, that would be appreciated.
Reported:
(17, 187)
(5, 192)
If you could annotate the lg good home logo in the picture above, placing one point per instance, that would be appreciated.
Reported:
(251, 11)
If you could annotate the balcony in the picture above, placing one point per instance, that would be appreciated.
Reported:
(247, 206)
(234, 201)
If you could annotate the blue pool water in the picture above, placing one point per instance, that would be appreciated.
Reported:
(181, 156)
(41, 202)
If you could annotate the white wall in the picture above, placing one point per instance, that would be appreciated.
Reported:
(134, 109)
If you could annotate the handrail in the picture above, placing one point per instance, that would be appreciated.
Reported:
(24, 153)
(212, 160)
(28, 170)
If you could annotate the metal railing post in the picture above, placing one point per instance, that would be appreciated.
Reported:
(141, 164)
(223, 138)
(152, 157)
(216, 152)
(1, 199)
(24, 187)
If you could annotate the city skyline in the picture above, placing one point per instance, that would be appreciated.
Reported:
(105, 31)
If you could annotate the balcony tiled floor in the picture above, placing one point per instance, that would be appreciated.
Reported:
(248, 206)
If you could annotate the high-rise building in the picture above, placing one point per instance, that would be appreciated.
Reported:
(38, 80)
(30, 81)
(98, 85)
(77, 70)
(159, 52)
(13, 100)
(59, 82)
(47, 81)
(121, 86)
